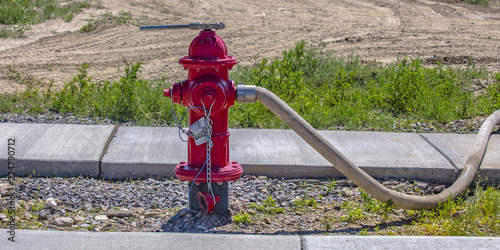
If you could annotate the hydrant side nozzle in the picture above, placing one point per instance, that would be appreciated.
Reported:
(167, 93)
(246, 93)
(174, 93)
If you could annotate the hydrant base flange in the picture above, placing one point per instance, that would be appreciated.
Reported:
(230, 172)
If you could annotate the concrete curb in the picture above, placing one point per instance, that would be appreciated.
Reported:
(399, 242)
(34, 239)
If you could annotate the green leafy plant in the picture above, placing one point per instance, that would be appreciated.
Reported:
(304, 202)
(354, 212)
(268, 206)
(476, 214)
(304, 184)
(330, 187)
(480, 2)
(329, 92)
(370, 205)
(38, 206)
(89, 27)
(243, 218)
(364, 232)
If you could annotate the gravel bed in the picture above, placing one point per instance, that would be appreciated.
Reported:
(52, 118)
(159, 205)
(301, 206)
(463, 126)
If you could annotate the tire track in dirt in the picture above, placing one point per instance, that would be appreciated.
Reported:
(383, 31)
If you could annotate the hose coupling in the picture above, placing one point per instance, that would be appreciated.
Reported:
(245, 93)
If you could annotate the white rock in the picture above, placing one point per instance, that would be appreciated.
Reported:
(346, 192)
(50, 203)
(5, 188)
(64, 222)
(78, 219)
(101, 217)
(85, 225)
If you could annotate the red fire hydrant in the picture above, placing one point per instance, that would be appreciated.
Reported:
(208, 93)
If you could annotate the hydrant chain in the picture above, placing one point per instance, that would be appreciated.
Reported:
(208, 132)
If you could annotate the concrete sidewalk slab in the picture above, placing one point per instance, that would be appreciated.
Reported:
(399, 242)
(282, 153)
(143, 152)
(54, 149)
(457, 147)
(32, 239)
(71, 150)
(154, 152)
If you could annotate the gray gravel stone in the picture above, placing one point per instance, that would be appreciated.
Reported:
(44, 214)
(120, 213)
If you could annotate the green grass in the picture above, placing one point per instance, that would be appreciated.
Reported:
(328, 91)
(120, 18)
(480, 2)
(243, 218)
(475, 214)
(268, 206)
(19, 15)
(330, 188)
(128, 99)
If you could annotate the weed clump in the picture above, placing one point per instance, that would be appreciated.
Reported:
(331, 92)
(327, 91)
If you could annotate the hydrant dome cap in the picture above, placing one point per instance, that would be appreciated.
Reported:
(207, 46)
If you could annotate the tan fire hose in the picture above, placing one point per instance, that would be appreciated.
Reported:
(353, 172)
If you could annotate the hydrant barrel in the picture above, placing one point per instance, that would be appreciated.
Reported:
(208, 93)
(208, 90)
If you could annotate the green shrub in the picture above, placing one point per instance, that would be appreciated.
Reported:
(268, 206)
(476, 214)
(326, 91)
(243, 218)
(129, 99)
(480, 2)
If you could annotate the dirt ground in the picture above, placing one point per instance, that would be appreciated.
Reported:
(381, 31)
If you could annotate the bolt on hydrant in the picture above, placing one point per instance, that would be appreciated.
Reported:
(207, 93)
